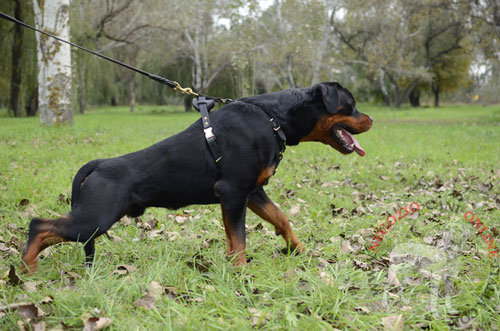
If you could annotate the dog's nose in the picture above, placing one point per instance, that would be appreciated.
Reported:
(371, 118)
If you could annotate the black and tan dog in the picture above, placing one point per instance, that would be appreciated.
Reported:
(180, 170)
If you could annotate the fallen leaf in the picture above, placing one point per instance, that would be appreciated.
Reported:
(392, 278)
(361, 265)
(30, 325)
(289, 275)
(153, 292)
(3, 247)
(172, 236)
(25, 309)
(63, 198)
(126, 221)
(367, 232)
(115, 238)
(258, 318)
(30, 287)
(358, 211)
(96, 323)
(181, 219)
(363, 309)
(327, 279)
(47, 299)
(156, 233)
(13, 277)
(346, 247)
(23, 202)
(295, 210)
(393, 323)
(38, 326)
(171, 292)
(484, 187)
(124, 269)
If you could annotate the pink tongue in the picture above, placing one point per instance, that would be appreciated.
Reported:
(357, 148)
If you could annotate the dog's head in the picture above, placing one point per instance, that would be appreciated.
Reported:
(336, 118)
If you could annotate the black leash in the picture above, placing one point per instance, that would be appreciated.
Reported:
(170, 83)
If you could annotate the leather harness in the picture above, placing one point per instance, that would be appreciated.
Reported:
(204, 105)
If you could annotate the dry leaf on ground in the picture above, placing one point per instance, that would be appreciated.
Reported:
(25, 309)
(96, 323)
(124, 269)
(153, 292)
(393, 323)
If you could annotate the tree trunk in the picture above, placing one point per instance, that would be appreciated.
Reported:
(132, 95)
(17, 53)
(407, 92)
(54, 62)
(188, 102)
(436, 90)
(415, 97)
(383, 88)
(321, 49)
(32, 106)
(82, 102)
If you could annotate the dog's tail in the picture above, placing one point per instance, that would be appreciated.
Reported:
(80, 177)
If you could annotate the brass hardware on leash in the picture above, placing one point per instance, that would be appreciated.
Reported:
(185, 90)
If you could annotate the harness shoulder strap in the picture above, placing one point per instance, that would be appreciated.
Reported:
(204, 106)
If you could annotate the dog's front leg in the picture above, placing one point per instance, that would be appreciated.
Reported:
(233, 205)
(261, 205)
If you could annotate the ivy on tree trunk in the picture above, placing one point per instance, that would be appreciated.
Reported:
(54, 62)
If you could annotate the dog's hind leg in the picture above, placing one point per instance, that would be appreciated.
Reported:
(233, 204)
(42, 234)
(261, 205)
(73, 227)
(89, 248)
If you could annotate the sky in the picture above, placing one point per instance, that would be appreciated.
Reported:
(265, 3)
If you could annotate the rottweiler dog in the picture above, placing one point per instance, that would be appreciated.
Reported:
(181, 170)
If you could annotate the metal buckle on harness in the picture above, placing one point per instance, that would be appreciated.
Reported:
(276, 126)
(208, 133)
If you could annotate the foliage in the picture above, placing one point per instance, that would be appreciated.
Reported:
(234, 48)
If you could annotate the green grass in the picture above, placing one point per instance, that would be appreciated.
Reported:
(430, 156)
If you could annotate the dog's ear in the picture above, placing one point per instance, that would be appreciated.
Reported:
(330, 96)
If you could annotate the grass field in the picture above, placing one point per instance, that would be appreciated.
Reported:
(447, 160)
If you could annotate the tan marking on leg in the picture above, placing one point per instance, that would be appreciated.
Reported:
(269, 212)
(39, 243)
(229, 246)
(235, 246)
(264, 175)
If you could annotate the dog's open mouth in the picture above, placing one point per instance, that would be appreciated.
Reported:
(345, 139)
